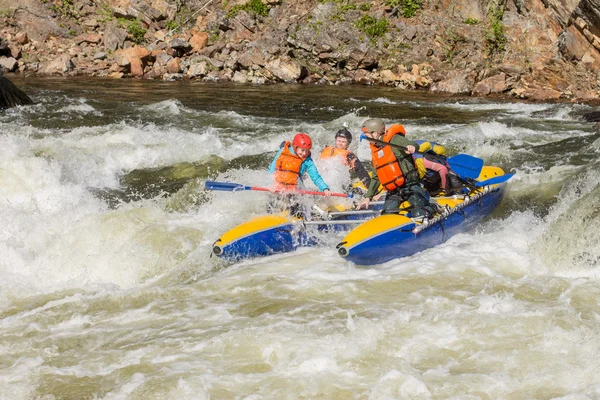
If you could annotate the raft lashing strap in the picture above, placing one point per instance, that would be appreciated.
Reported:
(426, 223)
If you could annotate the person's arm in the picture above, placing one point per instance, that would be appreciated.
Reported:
(373, 187)
(359, 169)
(404, 142)
(439, 168)
(309, 167)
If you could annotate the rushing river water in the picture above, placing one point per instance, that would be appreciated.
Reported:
(108, 290)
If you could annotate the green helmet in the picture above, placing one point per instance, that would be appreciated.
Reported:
(373, 125)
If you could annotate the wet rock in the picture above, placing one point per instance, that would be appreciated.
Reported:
(10, 95)
(257, 162)
(149, 183)
(593, 116)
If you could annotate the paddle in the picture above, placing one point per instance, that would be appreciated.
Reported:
(234, 187)
(463, 165)
(495, 180)
(335, 222)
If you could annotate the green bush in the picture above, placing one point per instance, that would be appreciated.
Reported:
(372, 27)
(171, 25)
(66, 8)
(495, 38)
(471, 21)
(253, 6)
(134, 28)
(407, 8)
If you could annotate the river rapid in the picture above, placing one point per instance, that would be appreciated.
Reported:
(108, 290)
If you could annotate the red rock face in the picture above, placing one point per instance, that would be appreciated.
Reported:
(536, 50)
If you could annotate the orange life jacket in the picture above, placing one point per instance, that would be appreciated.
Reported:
(386, 164)
(287, 167)
(332, 151)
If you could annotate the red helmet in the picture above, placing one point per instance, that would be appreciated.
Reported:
(397, 128)
(302, 140)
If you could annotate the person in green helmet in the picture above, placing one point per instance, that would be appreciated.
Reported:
(395, 170)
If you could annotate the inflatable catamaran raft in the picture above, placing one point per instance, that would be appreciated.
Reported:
(395, 235)
(373, 238)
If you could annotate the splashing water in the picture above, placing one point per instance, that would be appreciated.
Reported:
(121, 300)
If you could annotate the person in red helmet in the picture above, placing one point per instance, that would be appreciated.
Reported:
(292, 162)
(343, 138)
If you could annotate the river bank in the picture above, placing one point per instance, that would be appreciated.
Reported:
(523, 50)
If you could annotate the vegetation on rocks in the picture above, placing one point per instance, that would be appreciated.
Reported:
(374, 28)
(254, 6)
(495, 37)
(407, 8)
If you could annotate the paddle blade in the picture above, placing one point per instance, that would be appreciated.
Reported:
(465, 166)
(225, 186)
(495, 180)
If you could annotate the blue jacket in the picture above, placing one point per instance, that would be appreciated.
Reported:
(308, 166)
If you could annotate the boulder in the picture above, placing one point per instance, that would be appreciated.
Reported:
(285, 70)
(174, 65)
(8, 64)
(198, 41)
(87, 38)
(134, 58)
(10, 95)
(459, 84)
(492, 85)
(114, 37)
(60, 65)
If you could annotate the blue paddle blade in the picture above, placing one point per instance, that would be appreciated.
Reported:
(361, 137)
(495, 180)
(225, 186)
(465, 166)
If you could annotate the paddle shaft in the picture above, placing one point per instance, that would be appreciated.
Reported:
(262, 189)
(463, 165)
(234, 187)
(338, 222)
(387, 144)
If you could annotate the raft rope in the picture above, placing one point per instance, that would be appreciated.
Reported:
(426, 223)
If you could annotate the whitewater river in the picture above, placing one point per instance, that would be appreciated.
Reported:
(108, 290)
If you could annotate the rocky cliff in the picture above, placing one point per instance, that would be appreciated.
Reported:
(530, 49)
